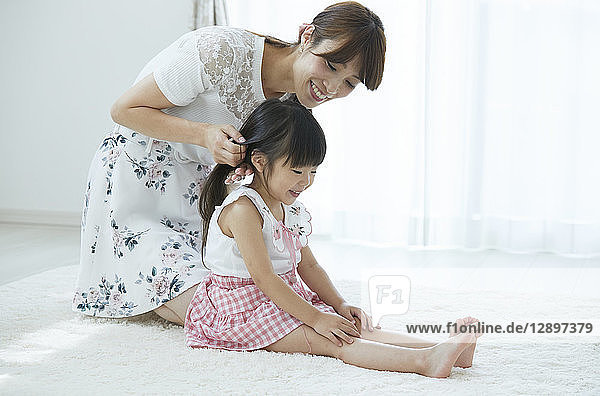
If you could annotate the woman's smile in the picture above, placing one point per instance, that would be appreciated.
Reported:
(316, 93)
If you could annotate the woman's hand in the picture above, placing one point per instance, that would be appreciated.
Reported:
(351, 312)
(334, 326)
(220, 141)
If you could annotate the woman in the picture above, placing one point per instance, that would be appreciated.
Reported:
(140, 226)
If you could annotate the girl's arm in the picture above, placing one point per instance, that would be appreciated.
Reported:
(317, 279)
(242, 221)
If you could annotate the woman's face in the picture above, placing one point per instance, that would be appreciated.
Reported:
(316, 80)
(285, 183)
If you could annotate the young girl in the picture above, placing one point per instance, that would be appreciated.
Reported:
(255, 243)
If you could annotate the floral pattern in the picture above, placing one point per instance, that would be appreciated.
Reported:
(163, 285)
(189, 237)
(193, 193)
(294, 234)
(153, 168)
(111, 149)
(140, 212)
(124, 238)
(107, 298)
(95, 244)
(142, 140)
(152, 164)
(86, 205)
(195, 187)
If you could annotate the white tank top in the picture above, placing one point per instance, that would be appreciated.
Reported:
(282, 239)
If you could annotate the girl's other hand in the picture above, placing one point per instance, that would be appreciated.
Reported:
(240, 172)
(221, 144)
(335, 327)
(350, 312)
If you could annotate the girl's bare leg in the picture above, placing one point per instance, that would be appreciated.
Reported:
(392, 337)
(175, 310)
(435, 361)
(466, 358)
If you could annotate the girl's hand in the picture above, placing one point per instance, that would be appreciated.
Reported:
(240, 172)
(334, 326)
(351, 312)
(220, 141)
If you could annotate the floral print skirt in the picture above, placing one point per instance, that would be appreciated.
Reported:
(140, 230)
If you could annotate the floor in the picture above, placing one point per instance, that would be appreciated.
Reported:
(26, 250)
(46, 349)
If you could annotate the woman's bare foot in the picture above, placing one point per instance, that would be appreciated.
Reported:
(465, 359)
(440, 358)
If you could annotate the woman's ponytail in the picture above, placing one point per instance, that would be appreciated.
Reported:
(213, 194)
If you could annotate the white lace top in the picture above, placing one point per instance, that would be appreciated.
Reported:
(282, 239)
(212, 75)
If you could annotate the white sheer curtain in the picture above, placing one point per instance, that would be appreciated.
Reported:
(208, 13)
(484, 133)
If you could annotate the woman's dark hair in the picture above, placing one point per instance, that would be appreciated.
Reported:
(277, 129)
(358, 29)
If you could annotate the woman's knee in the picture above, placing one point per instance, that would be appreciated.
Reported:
(183, 300)
(168, 314)
(176, 309)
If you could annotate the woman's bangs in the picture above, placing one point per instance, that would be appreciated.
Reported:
(370, 50)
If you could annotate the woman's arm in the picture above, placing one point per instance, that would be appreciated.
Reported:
(139, 109)
(317, 279)
(242, 221)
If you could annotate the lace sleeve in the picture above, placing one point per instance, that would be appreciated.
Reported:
(183, 78)
(231, 64)
(217, 58)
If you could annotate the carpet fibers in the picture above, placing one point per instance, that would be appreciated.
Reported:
(51, 350)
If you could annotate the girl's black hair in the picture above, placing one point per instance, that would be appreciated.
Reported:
(278, 129)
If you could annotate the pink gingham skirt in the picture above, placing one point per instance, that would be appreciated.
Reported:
(232, 313)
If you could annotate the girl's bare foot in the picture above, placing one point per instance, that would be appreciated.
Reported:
(465, 359)
(440, 358)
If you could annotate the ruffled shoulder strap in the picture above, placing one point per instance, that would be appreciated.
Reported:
(253, 196)
(297, 219)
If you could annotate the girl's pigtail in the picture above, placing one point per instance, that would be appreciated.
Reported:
(213, 194)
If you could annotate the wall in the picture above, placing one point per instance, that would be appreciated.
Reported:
(63, 65)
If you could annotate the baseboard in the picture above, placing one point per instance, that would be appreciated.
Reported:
(40, 217)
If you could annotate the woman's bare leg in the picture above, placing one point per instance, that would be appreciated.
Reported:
(175, 310)
(435, 361)
(392, 337)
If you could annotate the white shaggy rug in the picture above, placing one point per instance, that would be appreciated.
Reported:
(47, 349)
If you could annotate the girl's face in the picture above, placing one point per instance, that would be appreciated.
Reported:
(317, 80)
(285, 183)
